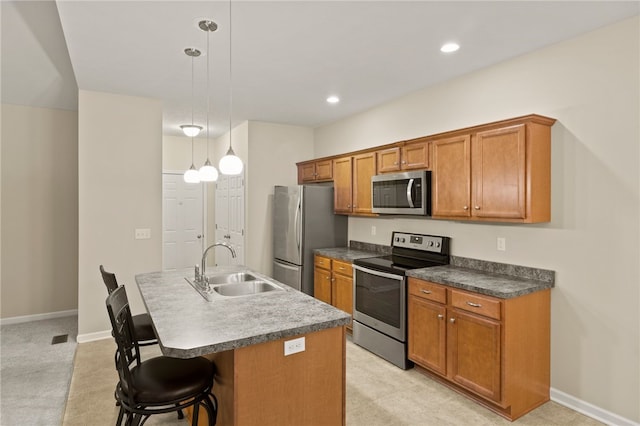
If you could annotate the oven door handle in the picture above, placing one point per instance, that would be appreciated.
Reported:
(379, 273)
(409, 193)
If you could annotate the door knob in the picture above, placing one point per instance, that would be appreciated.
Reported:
(199, 236)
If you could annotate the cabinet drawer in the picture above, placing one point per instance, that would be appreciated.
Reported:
(427, 290)
(343, 268)
(322, 262)
(483, 305)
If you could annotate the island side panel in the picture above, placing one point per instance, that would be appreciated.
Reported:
(300, 389)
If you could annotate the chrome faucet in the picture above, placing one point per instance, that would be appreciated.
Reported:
(203, 263)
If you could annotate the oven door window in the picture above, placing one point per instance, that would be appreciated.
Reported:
(380, 298)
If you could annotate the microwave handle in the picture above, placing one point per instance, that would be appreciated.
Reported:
(409, 191)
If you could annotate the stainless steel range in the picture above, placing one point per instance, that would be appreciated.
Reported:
(380, 293)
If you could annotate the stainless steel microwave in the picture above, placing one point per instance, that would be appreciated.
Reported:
(402, 193)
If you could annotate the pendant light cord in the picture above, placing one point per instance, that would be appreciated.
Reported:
(192, 100)
(230, 79)
(208, 94)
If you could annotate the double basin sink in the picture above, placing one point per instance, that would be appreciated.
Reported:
(233, 284)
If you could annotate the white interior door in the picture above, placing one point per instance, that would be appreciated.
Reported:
(230, 218)
(182, 222)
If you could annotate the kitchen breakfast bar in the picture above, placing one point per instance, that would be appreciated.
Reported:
(245, 336)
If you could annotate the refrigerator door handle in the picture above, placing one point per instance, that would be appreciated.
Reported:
(297, 222)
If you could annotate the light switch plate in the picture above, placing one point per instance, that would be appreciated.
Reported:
(143, 234)
(502, 244)
(294, 346)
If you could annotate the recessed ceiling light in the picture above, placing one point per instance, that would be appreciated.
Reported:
(449, 47)
(333, 99)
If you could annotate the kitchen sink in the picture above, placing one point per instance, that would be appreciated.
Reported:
(236, 277)
(233, 284)
(245, 288)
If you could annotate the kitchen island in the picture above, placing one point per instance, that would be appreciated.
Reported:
(255, 383)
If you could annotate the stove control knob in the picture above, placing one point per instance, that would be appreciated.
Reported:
(402, 240)
(437, 244)
(430, 243)
(397, 239)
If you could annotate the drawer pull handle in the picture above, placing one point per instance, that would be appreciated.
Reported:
(440, 316)
(475, 305)
(426, 291)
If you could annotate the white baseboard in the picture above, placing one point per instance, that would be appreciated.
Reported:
(588, 409)
(91, 337)
(38, 317)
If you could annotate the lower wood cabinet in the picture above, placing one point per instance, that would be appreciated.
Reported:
(333, 283)
(494, 350)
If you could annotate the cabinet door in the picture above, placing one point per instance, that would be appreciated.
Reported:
(415, 156)
(324, 170)
(451, 182)
(322, 285)
(306, 172)
(388, 160)
(342, 293)
(342, 192)
(499, 173)
(427, 334)
(364, 167)
(474, 354)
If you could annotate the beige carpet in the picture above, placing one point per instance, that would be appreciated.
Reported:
(378, 393)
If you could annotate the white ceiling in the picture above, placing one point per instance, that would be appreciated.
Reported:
(288, 56)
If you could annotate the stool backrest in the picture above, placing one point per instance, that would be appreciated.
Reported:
(109, 280)
(122, 326)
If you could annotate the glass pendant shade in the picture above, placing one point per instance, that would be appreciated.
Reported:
(192, 175)
(191, 130)
(208, 173)
(230, 164)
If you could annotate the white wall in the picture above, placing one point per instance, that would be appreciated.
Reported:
(120, 189)
(273, 149)
(591, 86)
(40, 211)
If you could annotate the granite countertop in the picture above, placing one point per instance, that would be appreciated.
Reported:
(345, 253)
(493, 279)
(356, 250)
(188, 325)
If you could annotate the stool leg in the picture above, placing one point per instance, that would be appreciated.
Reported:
(196, 410)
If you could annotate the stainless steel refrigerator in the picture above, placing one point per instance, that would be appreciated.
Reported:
(303, 220)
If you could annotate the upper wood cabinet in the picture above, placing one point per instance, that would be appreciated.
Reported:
(497, 173)
(342, 185)
(315, 171)
(352, 183)
(451, 177)
(408, 155)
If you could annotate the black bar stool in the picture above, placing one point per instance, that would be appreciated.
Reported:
(144, 333)
(157, 385)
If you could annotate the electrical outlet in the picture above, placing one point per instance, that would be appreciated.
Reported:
(294, 346)
(143, 233)
(502, 244)
(373, 230)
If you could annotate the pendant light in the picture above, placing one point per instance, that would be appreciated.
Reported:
(191, 175)
(230, 164)
(208, 173)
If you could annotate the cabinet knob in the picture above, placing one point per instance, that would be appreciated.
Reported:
(477, 207)
(440, 316)
(404, 162)
(452, 320)
(465, 208)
